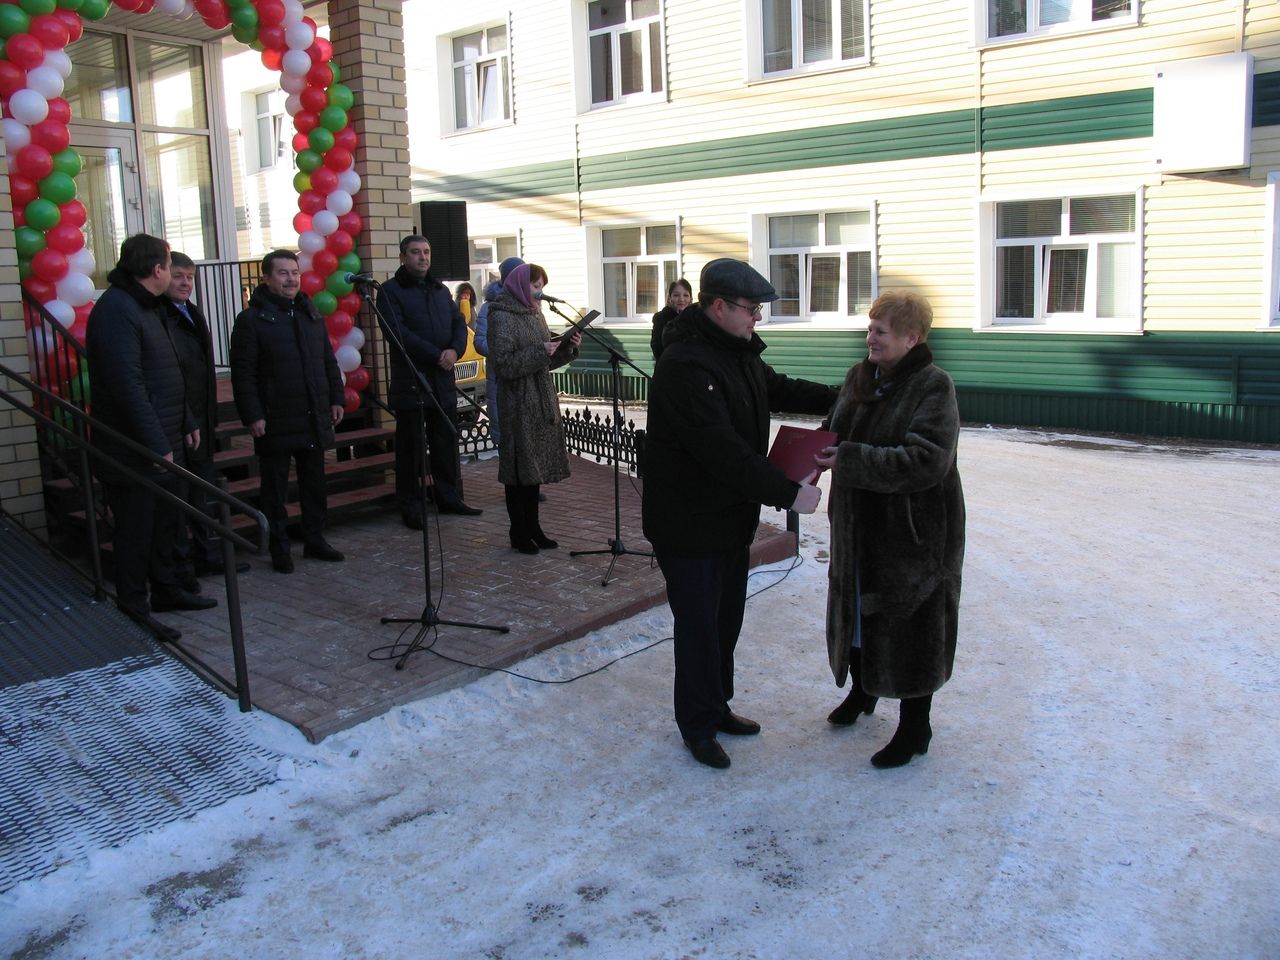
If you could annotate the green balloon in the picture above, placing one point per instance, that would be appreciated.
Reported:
(333, 119)
(43, 213)
(324, 302)
(340, 95)
(57, 188)
(245, 17)
(68, 161)
(309, 160)
(238, 4)
(71, 4)
(301, 182)
(24, 269)
(13, 20)
(337, 286)
(246, 35)
(336, 73)
(38, 8)
(349, 263)
(320, 139)
(94, 9)
(29, 241)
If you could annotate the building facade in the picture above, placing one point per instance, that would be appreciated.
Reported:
(1085, 189)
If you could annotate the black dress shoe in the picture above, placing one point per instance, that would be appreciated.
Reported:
(460, 508)
(181, 600)
(708, 752)
(190, 584)
(282, 563)
(162, 632)
(320, 550)
(412, 519)
(737, 726)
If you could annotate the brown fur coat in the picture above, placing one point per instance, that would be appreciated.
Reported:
(897, 527)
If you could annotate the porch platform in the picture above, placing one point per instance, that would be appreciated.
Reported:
(318, 656)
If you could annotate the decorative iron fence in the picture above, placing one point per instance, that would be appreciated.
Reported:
(591, 435)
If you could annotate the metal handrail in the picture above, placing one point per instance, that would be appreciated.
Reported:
(227, 503)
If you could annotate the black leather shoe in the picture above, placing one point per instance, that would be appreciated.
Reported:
(460, 508)
(738, 726)
(181, 600)
(207, 568)
(709, 752)
(320, 550)
(162, 632)
(412, 520)
(855, 704)
(191, 585)
(282, 563)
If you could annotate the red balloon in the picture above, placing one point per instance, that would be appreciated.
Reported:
(23, 190)
(312, 282)
(79, 330)
(50, 31)
(273, 38)
(334, 344)
(130, 5)
(313, 99)
(49, 265)
(310, 202)
(12, 78)
(346, 139)
(33, 161)
(65, 238)
(324, 180)
(340, 242)
(304, 121)
(271, 58)
(351, 223)
(352, 399)
(59, 110)
(338, 159)
(270, 13)
(358, 379)
(53, 135)
(24, 50)
(83, 311)
(324, 262)
(338, 323)
(301, 222)
(146, 6)
(74, 212)
(322, 50)
(350, 303)
(320, 75)
(19, 217)
(73, 23)
(42, 290)
(300, 142)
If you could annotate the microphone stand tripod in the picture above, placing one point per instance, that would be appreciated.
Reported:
(616, 547)
(429, 619)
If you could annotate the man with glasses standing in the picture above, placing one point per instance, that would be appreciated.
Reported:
(706, 476)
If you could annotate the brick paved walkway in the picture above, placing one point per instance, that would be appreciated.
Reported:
(309, 635)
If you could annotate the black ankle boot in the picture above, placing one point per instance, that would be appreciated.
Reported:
(911, 737)
(518, 511)
(855, 704)
(535, 526)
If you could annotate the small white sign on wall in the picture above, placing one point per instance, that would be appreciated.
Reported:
(1203, 113)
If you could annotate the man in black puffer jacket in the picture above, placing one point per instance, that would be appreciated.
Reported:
(288, 392)
(706, 474)
(138, 390)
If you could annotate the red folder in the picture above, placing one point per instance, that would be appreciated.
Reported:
(794, 447)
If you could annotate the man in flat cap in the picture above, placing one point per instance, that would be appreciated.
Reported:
(706, 476)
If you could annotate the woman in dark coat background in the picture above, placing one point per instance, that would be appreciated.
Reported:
(521, 356)
(679, 296)
(897, 526)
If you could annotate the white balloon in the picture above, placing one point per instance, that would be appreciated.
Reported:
(58, 60)
(304, 261)
(349, 181)
(16, 135)
(61, 311)
(46, 81)
(292, 104)
(82, 262)
(296, 62)
(41, 340)
(292, 13)
(339, 202)
(76, 289)
(171, 7)
(353, 339)
(293, 82)
(311, 242)
(324, 223)
(299, 36)
(348, 358)
(28, 106)
(188, 10)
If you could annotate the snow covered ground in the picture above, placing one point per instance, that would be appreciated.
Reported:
(1104, 779)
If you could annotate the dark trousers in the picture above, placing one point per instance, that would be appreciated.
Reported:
(142, 543)
(196, 543)
(442, 450)
(707, 597)
(273, 470)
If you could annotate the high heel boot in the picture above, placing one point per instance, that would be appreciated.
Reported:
(518, 512)
(911, 737)
(858, 701)
(535, 527)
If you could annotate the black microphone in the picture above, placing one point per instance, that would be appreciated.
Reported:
(550, 299)
(358, 278)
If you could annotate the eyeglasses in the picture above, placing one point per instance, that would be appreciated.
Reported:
(751, 308)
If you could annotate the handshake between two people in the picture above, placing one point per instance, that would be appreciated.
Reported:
(809, 496)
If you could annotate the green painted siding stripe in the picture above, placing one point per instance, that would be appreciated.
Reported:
(1266, 99)
(1121, 115)
(511, 183)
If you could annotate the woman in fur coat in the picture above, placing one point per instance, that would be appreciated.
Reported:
(897, 526)
(531, 451)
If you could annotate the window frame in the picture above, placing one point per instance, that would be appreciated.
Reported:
(275, 115)
(476, 267)
(502, 59)
(1039, 32)
(598, 283)
(651, 62)
(1043, 321)
(754, 19)
(763, 261)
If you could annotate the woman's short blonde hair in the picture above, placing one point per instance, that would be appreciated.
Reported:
(904, 311)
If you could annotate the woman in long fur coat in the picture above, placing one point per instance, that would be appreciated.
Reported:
(897, 526)
(531, 450)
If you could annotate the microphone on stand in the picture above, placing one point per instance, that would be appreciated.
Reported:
(359, 278)
(550, 299)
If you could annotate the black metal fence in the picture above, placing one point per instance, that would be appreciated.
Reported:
(592, 435)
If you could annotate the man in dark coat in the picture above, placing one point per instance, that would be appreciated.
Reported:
(706, 476)
(199, 549)
(288, 392)
(138, 390)
(430, 325)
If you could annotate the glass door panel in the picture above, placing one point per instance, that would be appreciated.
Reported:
(110, 189)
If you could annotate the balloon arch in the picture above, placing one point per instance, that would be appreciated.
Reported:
(55, 265)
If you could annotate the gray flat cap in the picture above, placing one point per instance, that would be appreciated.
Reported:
(733, 278)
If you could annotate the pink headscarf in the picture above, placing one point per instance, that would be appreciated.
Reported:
(517, 283)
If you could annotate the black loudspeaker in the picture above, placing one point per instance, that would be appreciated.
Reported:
(444, 223)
